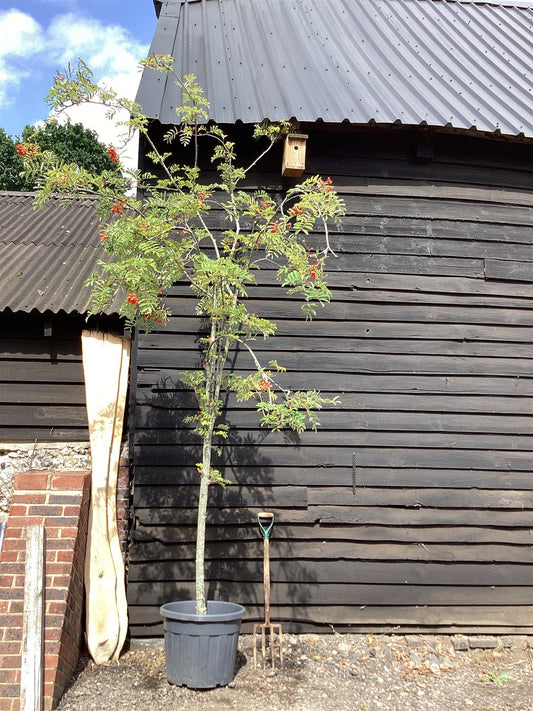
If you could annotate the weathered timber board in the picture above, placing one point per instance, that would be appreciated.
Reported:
(167, 408)
(433, 497)
(183, 496)
(166, 380)
(49, 416)
(427, 208)
(452, 616)
(345, 418)
(61, 350)
(383, 288)
(441, 285)
(255, 496)
(43, 393)
(343, 516)
(408, 364)
(187, 327)
(465, 248)
(435, 191)
(241, 441)
(44, 434)
(399, 456)
(355, 571)
(508, 270)
(40, 371)
(183, 534)
(366, 345)
(386, 311)
(322, 594)
(342, 476)
(331, 550)
(455, 173)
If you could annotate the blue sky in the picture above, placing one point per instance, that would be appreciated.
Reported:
(38, 37)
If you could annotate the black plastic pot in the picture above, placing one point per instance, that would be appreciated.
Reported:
(201, 649)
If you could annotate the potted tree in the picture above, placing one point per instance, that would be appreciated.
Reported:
(167, 236)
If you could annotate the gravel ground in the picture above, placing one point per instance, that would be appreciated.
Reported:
(327, 672)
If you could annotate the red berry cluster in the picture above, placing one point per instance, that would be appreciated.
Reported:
(326, 184)
(118, 207)
(154, 318)
(132, 299)
(296, 210)
(113, 154)
(314, 269)
(27, 149)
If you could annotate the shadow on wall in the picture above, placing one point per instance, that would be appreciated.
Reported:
(166, 494)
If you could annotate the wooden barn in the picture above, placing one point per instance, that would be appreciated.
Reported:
(411, 509)
(45, 257)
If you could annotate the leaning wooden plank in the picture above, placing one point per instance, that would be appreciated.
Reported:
(114, 541)
(31, 673)
(105, 359)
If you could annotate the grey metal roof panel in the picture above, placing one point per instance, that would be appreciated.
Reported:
(47, 255)
(462, 64)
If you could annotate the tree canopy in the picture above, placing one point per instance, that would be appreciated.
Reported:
(11, 165)
(70, 142)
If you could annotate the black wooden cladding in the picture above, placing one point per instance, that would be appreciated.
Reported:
(42, 392)
(412, 507)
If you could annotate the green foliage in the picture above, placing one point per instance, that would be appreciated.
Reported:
(71, 143)
(11, 165)
(59, 146)
(169, 236)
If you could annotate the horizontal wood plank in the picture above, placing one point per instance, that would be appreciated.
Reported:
(389, 572)
(323, 593)
(184, 534)
(343, 516)
(309, 475)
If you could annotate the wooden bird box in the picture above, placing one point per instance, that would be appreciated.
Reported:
(294, 155)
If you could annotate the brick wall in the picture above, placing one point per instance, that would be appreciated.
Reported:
(123, 504)
(59, 501)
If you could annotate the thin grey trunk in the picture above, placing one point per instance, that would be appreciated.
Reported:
(201, 607)
(214, 373)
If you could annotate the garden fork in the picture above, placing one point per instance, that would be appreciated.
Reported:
(266, 521)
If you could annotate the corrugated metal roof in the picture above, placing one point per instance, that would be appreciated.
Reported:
(47, 255)
(462, 64)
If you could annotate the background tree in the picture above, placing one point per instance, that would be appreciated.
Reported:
(69, 143)
(11, 165)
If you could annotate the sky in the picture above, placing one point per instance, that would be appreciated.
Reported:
(40, 37)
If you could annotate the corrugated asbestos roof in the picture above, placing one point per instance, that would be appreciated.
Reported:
(46, 255)
(462, 64)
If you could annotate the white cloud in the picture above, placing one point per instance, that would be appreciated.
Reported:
(21, 34)
(113, 55)
(108, 48)
(21, 37)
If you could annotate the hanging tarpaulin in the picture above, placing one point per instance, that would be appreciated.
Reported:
(105, 365)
